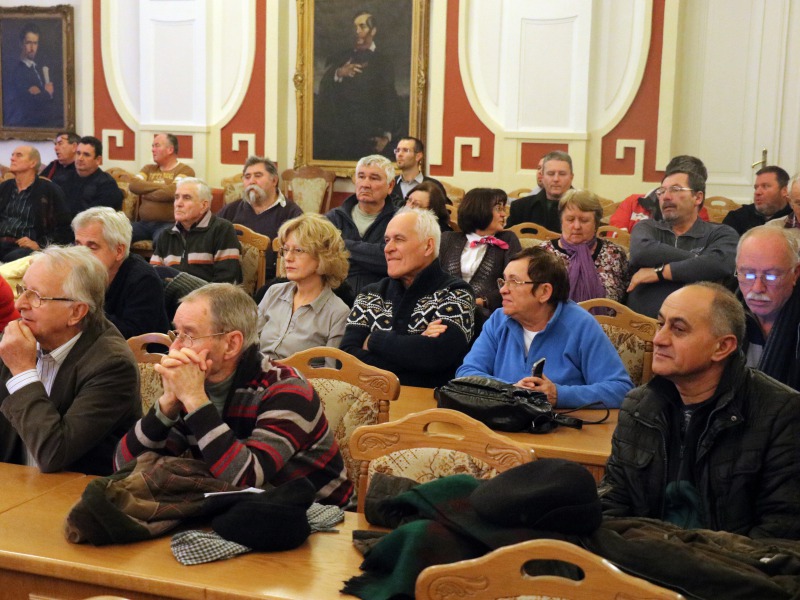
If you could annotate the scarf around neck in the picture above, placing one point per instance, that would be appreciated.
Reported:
(584, 280)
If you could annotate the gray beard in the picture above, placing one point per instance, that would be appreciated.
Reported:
(253, 194)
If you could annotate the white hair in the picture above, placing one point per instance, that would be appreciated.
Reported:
(117, 229)
(426, 226)
(376, 160)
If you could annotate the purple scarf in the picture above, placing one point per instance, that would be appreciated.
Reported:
(584, 280)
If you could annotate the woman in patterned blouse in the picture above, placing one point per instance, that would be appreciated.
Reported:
(597, 268)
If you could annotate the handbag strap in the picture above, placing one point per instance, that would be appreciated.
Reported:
(595, 404)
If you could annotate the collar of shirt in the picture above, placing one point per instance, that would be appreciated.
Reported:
(59, 354)
(280, 200)
(28, 63)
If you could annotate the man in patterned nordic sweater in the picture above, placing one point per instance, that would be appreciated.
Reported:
(252, 421)
(417, 322)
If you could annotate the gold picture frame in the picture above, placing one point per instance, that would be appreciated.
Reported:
(37, 72)
(336, 124)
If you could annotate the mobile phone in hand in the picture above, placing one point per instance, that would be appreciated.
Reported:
(537, 370)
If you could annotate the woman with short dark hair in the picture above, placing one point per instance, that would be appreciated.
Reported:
(480, 251)
(539, 321)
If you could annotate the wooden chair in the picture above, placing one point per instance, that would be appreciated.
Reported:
(456, 194)
(533, 234)
(310, 187)
(433, 443)
(276, 248)
(130, 200)
(232, 188)
(149, 381)
(631, 333)
(502, 574)
(254, 257)
(616, 235)
(354, 394)
(519, 193)
(718, 207)
(453, 211)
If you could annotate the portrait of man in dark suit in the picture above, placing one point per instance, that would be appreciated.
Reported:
(33, 48)
(362, 72)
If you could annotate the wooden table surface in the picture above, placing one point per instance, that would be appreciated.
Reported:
(20, 484)
(37, 561)
(590, 446)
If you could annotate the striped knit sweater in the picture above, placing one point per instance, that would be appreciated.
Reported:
(273, 429)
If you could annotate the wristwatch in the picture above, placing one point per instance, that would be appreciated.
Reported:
(660, 272)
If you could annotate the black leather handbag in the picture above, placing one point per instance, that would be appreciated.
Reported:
(502, 406)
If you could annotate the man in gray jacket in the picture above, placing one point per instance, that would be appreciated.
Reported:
(681, 249)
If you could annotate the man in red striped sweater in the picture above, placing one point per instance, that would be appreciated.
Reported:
(252, 421)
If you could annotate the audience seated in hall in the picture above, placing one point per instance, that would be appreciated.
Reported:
(89, 185)
(62, 169)
(155, 186)
(262, 207)
(304, 312)
(33, 212)
(682, 248)
(363, 218)
(134, 300)
(71, 380)
(770, 201)
(542, 208)
(538, 320)
(252, 421)
(709, 442)
(637, 208)
(409, 154)
(767, 267)
(598, 268)
(481, 250)
(418, 321)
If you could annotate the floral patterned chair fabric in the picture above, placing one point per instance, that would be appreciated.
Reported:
(310, 187)
(631, 334)
(353, 395)
(150, 385)
(433, 443)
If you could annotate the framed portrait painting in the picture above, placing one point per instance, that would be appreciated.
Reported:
(361, 79)
(37, 72)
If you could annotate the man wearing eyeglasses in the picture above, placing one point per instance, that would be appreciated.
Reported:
(679, 249)
(767, 268)
(252, 421)
(409, 154)
(71, 382)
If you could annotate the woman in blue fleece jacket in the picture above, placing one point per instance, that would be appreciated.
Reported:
(539, 321)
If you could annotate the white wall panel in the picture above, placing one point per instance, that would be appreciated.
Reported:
(736, 91)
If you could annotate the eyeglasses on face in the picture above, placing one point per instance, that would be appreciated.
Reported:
(284, 252)
(513, 283)
(187, 340)
(673, 189)
(749, 277)
(35, 299)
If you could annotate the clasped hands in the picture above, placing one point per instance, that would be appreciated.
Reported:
(183, 374)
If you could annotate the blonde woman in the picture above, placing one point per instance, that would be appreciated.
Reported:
(304, 312)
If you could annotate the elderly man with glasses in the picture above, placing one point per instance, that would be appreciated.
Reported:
(252, 421)
(681, 248)
(71, 380)
(767, 267)
(539, 321)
